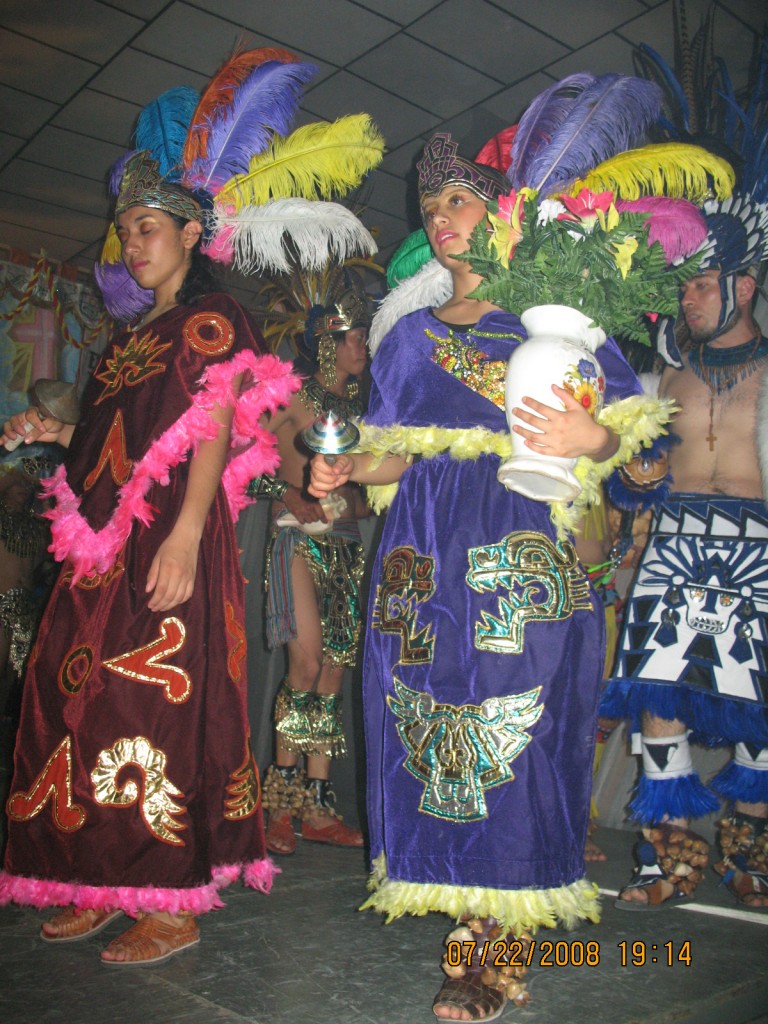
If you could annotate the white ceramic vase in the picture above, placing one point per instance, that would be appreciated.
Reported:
(560, 349)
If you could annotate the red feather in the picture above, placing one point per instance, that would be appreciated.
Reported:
(497, 152)
(220, 91)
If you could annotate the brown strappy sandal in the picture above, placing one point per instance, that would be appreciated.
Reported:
(75, 924)
(152, 941)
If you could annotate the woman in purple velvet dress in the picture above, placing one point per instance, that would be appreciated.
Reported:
(485, 644)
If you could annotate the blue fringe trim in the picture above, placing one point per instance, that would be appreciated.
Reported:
(736, 782)
(716, 721)
(631, 499)
(684, 797)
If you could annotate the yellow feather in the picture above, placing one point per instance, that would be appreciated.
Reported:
(111, 251)
(316, 161)
(674, 169)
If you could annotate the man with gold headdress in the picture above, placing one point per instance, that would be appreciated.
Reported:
(313, 578)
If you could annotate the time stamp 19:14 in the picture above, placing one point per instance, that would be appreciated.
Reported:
(521, 953)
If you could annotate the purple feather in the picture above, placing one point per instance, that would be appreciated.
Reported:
(677, 225)
(124, 300)
(116, 172)
(540, 121)
(265, 103)
(611, 116)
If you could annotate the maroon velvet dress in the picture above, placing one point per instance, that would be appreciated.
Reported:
(135, 785)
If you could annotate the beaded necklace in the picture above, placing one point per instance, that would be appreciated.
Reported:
(721, 368)
(317, 399)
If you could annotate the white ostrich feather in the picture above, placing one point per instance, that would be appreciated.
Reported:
(273, 236)
(430, 286)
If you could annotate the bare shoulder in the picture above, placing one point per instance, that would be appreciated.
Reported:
(671, 380)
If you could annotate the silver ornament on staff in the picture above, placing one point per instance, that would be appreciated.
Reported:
(331, 435)
(53, 399)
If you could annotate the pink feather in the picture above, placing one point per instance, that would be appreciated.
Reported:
(132, 900)
(677, 225)
(271, 383)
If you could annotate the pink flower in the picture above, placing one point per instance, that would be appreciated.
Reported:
(585, 205)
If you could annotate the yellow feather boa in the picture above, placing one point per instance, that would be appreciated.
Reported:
(516, 910)
(637, 421)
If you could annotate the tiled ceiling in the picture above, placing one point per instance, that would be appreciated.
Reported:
(74, 75)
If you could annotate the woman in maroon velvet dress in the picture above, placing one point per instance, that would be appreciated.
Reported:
(135, 789)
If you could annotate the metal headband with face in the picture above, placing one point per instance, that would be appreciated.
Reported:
(441, 165)
(349, 312)
(143, 185)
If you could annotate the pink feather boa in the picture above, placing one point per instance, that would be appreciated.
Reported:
(267, 384)
(38, 893)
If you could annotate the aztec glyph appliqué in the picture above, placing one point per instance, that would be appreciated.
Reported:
(543, 582)
(704, 602)
(409, 580)
(460, 752)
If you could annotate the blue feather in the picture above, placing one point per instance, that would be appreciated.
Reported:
(163, 124)
(675, 89)
(759, 94)
(264, 104)
(611, 116)
(730, 125)
(540, 121)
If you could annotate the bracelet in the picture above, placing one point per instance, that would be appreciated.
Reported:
(267, 486)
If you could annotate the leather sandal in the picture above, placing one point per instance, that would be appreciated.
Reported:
(743, 841)
(336, 833)
(749, 888)
(75, 924)
(473, 985)
(280, 837)
(469, 994)
(671, 861)
(152, 941)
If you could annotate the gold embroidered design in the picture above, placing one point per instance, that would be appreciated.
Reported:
(465, 362)
(336, 566)
(544, 581)
(210, 334)
(96, 579)
(238, 650)
(409, 580)
(53, 783)
(154, 793)
(145, 664)
(245, 791)
(75, 669)
(114, 454)
(460, 752)
(132, 364)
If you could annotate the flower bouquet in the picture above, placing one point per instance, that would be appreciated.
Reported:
(576, 268)
(615, 261)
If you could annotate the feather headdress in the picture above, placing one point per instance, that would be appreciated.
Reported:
(228, 148)
(610, 115)
(701, 105)
(586, 134)
(295, 305)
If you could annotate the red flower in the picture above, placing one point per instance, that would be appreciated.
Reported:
(585, 205)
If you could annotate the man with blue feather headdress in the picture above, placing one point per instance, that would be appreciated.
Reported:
(692, 664)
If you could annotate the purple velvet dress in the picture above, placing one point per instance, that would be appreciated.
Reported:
(485, 645)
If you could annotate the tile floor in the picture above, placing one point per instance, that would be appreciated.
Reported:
(304, 955)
